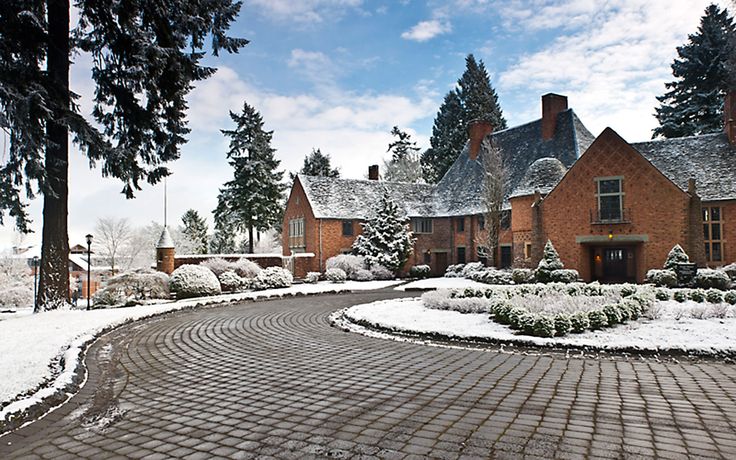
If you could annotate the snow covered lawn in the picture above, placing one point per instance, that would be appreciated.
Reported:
(704, 336)
(31, 345)
(442, 283)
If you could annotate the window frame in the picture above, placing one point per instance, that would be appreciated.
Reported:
(708, 225)
(457, 255)
(297, 232)
(460, 224)
(346, 223)
(620, 194)
(419, 224)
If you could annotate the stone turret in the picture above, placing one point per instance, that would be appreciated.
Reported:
(165, 252)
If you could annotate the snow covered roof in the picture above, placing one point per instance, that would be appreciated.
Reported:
(165, 241)
(709, 158)
(542, 175)
(80, 260)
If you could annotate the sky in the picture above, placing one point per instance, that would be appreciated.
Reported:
(339, 74)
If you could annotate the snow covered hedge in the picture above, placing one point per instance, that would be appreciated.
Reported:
(194, 281)
(419, 271)
(312, 277)
(217, 265)
(232, 282)
(16, 283)
(336, 275)
(271, 278)
(348, 263)
(133, 287)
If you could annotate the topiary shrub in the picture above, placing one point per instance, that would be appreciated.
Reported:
(666, 278)
(714, 296)
(501, 311)
(544, 326)
(730, 297)
(522, 275)
(707, 278)
(563, 324)
(662, 295)
(246, 268)
(613, 314)
(335, 275)
(526, 323)
(363, 275)
(680, 296)
(515, 316)
(676, 255)
(231, 282)
(454, 271)
(579, 322)
(697, 295)
(419, 271)
(550, 262)
(272, 278)
(564, 276)
(312, 277)
(194, 281)
(631, 309)
(380, 272)
(217, 265)
(598, 319)
(348, 263)
(490, 275)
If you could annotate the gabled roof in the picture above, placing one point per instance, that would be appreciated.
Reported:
(709, 158)
(542, 175)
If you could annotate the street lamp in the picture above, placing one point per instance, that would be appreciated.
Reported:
(88, 237)
(34, 261)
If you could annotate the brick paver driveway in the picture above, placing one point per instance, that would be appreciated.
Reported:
(273, 379)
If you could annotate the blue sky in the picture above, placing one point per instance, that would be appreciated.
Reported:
(338, 74)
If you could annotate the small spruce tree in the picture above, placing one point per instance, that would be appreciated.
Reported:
(386, 239)
(550, 262)
(195, 228)
(677, 255)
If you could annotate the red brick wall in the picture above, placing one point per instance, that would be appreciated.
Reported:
(298, 207)
(658, 208)
(728, 229)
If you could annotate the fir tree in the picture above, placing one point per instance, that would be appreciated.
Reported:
(694, 103)
(223, 239)
(677, 255)
(550, 262)
(195, 228)
(403, 146)
(449, 134)
(404, 165)
(317, 164)
(252, 200)
(145, 59)
(386, 239)
(479, 99)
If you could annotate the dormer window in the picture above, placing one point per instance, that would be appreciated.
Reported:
(610, 199)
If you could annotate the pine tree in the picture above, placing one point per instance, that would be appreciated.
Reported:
(479, 99)
(146, 56)
(195, 228)
(386, 239)
(223, 239)
(694, 103)
(403, 146)
(404, 165)
(252, 200)
(449, 134)
(317, 164)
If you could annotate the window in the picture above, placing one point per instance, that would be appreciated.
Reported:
(421, 225)
(347, 228)
(610, 199)
(527, 250)
(296, 233)
(482, 222)
(506, 255)
(460, 224)
(505, 221)
(460, 255)
(712, 233)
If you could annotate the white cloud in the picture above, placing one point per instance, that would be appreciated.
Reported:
(303, 11)
(426, 30)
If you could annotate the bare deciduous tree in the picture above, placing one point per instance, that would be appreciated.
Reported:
(112, 237)
(495, 176)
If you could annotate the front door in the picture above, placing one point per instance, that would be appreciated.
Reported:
(614, 265)
(440, 263)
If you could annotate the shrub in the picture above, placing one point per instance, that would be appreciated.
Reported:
(348, 263)
(579, 322)
(697, 295)
(613, 314)
(563, 324)
(443, 300)
(16, 296)
(194, 281)
(730, 297)
(272, 278)
(630, 309)
(714, 296)
(501, 311)
(522, 275)
(419, 271)
(730, 270)
(472, 267)
(628, 290)
(550, 262)
(380, 272)
(680, 296)
(564, 276)
(133, 286)
(675, 256)
(666, 278)
(217, 265)
(108, 297)
(454, 271)
(544, 326)
(246, 268)
(718, 310)
(490, 275)
(515, 314)
(363, 275)
(526, 323)
(699, 312)
(231, 282)
(707, 278)
(662, 295)
(598, 319)
(312, 277)
(336, 275)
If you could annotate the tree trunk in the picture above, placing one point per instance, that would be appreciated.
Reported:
(54, 276)
(250, 238)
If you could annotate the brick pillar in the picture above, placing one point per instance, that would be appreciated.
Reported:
(552, 105)
(373, 172)
(538, 239)
(165, 260)
(695, 241)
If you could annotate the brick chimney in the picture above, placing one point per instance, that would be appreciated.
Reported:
(477, 130)
(729, 116)
(373, 172)
(552, 105)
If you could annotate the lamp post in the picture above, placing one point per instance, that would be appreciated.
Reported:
(89, 265)
(34, 261)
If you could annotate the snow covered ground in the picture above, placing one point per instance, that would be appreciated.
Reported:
(442, 283)
(31, 345)
(710, 336)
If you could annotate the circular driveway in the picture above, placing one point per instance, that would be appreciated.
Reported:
(273, 379)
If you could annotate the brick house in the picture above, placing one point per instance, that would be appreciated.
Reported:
(612, 209)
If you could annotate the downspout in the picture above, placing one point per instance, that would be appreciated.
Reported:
(320, 245)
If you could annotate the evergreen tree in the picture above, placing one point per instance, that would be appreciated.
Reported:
(317, 164)
(479, 99)
(195, 228)
(386, 239)
(404, 165)
(550, 262)
(223, 239)
(694, 103)
(677, 255)
(449, 134)
(252, 200)
(403, 146)
(146, 56)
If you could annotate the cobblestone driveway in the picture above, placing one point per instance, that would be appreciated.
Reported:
(273, 379)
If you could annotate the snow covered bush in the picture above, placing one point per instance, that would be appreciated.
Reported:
(246, 268)
(217, 265)
(714, 296)
(697, 295)
(680, 296)
(363, 275)
(194, 281)
(443, 300)
(16, 283)
(662, 294)
(563, 324)
(598, 319)
(380, 272)
(730, 297)
(131, 287)
(676, 256)
(312, 277)
(579, 322)
(522, 275)
(613, 314)
(348, 263)
(272, 278)
(544, 326)
(490, 275)
(550, 262)
(718, 310)
(730, 270)
(707, 278)
(665, 278)
(471, 268)
(564, 275)
(419, 271)
(454, 271)
(335, 275)
(231, 282)
(17, 296)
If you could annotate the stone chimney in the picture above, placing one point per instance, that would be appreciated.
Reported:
(165, 252)
(552, 105)
(477, 131)
(729, 116)
(373, 172)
